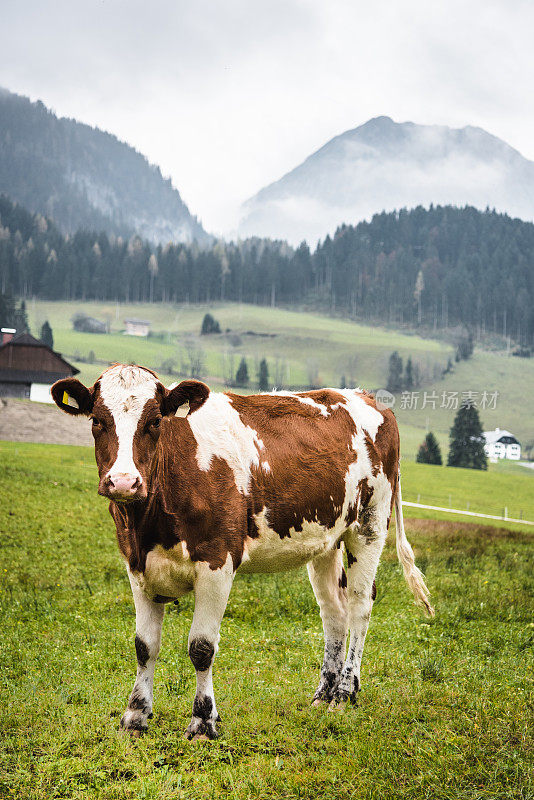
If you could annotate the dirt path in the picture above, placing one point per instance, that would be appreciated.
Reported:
(25, 421)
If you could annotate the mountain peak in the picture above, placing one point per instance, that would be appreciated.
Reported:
(385, 165)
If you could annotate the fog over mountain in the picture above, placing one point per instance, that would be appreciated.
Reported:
(385, 165)
(82, 177)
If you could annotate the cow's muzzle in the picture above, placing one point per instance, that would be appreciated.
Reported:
(122, 487)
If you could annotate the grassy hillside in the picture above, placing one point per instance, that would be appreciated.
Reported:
(442, 713)
(299, 346)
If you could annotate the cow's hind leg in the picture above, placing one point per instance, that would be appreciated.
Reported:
(329, 583)
(148, 622)
(212, 588)
(364, 546)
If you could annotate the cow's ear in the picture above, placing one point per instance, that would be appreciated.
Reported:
(72, 396)
(193, 392)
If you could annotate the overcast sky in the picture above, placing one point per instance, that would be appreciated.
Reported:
(228, 95)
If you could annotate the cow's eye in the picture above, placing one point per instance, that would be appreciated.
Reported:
(154, 424)
(98, 425)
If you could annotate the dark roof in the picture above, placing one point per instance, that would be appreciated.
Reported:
(138, 321)
(31, 376)
(27, 340)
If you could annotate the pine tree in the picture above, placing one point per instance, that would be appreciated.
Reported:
(464, 349)
(394, 383)
(408, 375)
(263, 376)
(467, 440)
(429, 452)
(47, 336)
(241, 376)
(21, 318)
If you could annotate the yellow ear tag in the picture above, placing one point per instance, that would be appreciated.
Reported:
(69, 401)
(182, 411)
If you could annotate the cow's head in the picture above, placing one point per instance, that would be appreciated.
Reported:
(126, 405)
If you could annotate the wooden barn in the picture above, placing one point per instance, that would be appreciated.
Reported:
(28, 368)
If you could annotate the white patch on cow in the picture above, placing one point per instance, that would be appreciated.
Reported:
(266, 467)
(220, 433)
(363, 414)
(302, 398)
(125, 390)
(271, 553)
(169, 573)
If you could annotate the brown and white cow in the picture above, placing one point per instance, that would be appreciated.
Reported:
(262, 483)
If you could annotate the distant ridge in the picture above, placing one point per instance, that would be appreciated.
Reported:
(385, 165)
(82, 177)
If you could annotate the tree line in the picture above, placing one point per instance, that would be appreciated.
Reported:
(434, 268)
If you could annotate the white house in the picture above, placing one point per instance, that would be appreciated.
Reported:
(137, 327)
(501, 444)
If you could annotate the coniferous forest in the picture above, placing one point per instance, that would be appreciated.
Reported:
(435, 267)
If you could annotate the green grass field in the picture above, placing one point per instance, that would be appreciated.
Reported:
(303, 343)
(446, 707)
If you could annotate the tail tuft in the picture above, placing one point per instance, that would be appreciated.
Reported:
(413, 576)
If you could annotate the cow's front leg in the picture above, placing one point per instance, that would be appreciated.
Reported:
(148, 621)
(212, 588)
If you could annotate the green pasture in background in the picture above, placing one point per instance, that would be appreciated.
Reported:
(302, 345)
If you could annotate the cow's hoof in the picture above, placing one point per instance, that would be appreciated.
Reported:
(200, 737)
(134, 723)
(342, 698)
(319, 702)
(337, 705)
(201, 730)
(132, 732)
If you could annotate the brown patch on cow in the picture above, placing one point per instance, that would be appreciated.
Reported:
(300, 455)
(252, 528)
(106, 440)
(352, 512)
(373, 591)
(146, 437)
(343, 579)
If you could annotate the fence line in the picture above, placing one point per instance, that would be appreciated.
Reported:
(468, 513)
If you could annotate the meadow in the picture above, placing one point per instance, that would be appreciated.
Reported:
(446, 707)
(297, 346)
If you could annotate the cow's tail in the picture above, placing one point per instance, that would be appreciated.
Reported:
(414, 577)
